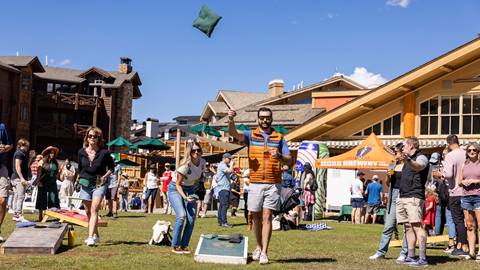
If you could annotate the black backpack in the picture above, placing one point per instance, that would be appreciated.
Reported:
(313, 185)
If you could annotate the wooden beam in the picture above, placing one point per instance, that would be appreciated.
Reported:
(327, 125)
(405, 88)
(446, 68)
(367, 107)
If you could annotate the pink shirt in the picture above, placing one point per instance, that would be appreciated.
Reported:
(451, 170)
(471, 171)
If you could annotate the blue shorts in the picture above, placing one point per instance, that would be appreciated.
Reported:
(471, 203)
(358, 202)
(89, 192)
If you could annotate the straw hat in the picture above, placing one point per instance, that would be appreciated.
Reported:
(47, 150)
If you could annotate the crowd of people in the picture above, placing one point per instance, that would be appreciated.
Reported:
(189, 190)
(427, 194)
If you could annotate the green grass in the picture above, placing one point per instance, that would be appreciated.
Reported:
(124, 246)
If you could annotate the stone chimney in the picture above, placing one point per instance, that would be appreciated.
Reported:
(125, 66)
(151, 128)
(276, 88)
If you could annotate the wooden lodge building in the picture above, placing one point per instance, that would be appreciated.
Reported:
(433, 100)
(55, 106)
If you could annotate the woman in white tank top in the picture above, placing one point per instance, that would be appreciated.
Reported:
(151, 185)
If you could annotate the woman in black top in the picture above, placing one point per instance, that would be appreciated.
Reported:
(95, 165)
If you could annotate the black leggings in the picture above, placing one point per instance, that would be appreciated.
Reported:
(245, 199)
(458, 218)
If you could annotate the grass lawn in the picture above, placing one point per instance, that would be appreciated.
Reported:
(124, 246)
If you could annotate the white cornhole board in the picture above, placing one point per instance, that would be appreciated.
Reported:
(338, 188)
(219, 251)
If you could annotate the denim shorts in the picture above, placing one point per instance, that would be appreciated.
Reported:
(87, 193)
(471, 203)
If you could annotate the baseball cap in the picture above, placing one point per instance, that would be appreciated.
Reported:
(435, 158)
(360, 173)
(227, 155)
(375, 176)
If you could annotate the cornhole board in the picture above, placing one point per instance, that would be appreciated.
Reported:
(35, 241)
(71, 217)
(219, 251)
(430, 239)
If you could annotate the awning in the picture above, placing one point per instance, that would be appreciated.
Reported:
(370, 154)
(338, 144)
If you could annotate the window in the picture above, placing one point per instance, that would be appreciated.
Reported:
(389, 126)
(450, 115)
(471, 114)
(182, 122)
(49, 87)
(57, 87)
(24, 112)
(429, 117)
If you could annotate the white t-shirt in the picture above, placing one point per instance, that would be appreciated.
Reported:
(151, 181)
(191, 173)
(357, 186)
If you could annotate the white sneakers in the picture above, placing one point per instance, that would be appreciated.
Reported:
(257, 255)
(1, 239)
(92, 241)
(263, 259)
(376, 256)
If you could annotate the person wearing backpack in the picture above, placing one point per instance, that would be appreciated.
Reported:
(309, 188)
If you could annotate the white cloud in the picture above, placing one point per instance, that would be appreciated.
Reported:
(398, 3)
(51, 61)
(331, 15)
(64, 62)
(362, 76)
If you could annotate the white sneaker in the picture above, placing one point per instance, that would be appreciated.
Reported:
(256, 254)
(401, 259)
(263, 259)
(10, 211)
(90, 242)
(95, 238)
(376, 256)
(1, 239)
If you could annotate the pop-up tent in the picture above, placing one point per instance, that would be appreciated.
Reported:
(370, 154)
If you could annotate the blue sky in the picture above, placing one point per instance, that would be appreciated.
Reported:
(255, 42)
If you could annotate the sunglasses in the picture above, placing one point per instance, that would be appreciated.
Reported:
(196, 150)
(472, 150)
(90, 136)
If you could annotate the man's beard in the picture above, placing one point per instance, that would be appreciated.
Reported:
(265, 125)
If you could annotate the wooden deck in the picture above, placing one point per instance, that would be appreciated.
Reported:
(34, 241)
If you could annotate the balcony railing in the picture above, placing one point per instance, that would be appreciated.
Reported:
(58, 99)
(49, 129)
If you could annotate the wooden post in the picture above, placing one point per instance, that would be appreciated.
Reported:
(177, 148)
(409, 115)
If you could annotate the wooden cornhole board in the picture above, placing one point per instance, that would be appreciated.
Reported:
(430, 239)
(33, 240)
(71, 217)
(219, 251)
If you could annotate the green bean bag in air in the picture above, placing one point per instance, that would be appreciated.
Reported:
(206, 21)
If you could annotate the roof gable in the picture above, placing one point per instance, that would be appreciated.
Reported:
(389, 91)
(96, 70)
(23, 61)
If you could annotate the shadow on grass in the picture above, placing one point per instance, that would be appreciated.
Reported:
(434, 260)
(130, 243)
(307, 260)
(65, 248)
(132, 216)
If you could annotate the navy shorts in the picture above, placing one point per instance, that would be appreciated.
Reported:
(358, 202)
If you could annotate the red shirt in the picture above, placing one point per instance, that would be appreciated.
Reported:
(166, 179)
(34, 168)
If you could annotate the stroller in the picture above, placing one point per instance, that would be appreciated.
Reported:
(289, 199)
